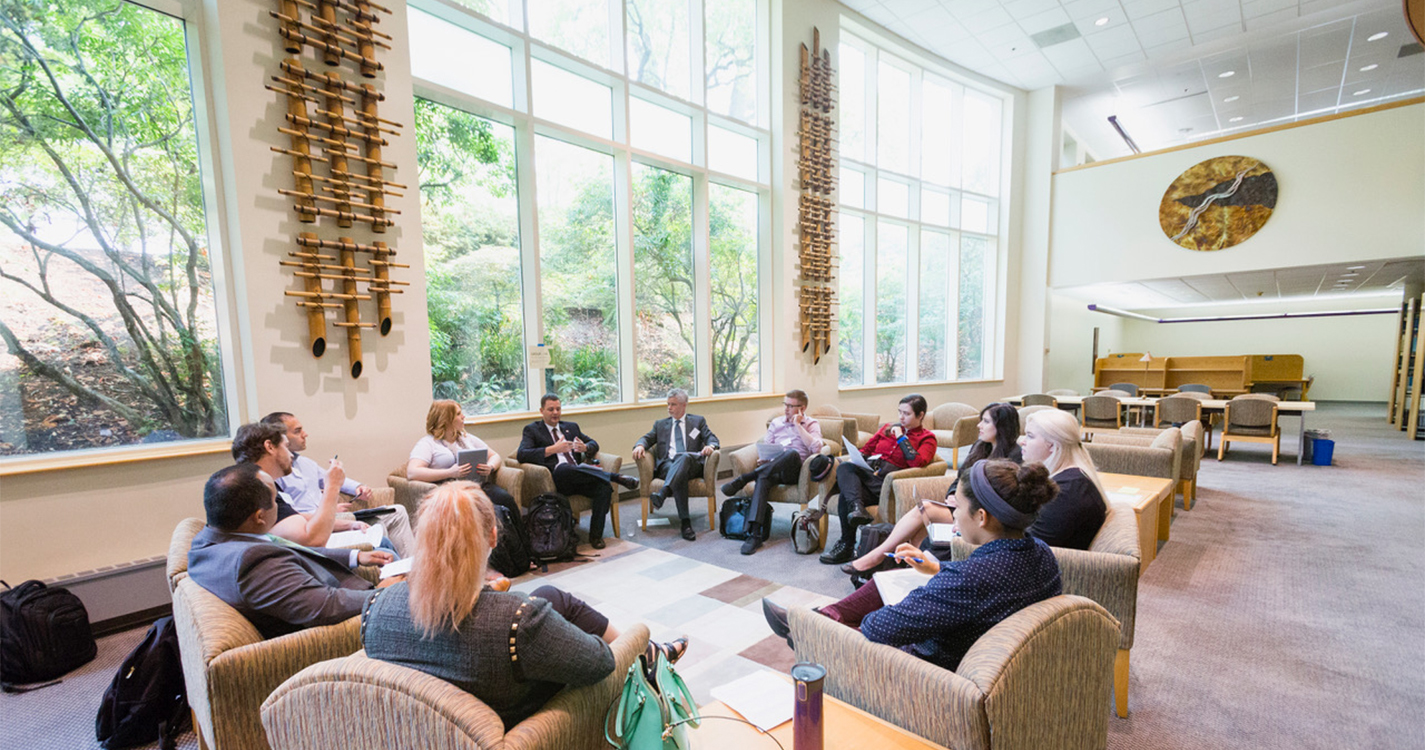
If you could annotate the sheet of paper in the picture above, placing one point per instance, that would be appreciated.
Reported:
(853, 454)
(894, 585)
(398, 568)
(1120, 497)
(942, 533)
(761, 698)
(355, 537)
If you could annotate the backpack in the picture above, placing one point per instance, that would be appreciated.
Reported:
(872, 534)
(733, 521)
(510, 555)
(806, 531)
(44, 633)
(147, 700)
(549, 530)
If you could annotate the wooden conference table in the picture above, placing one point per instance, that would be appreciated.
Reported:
(1152, 501)
(1296, 409)
(844, 726)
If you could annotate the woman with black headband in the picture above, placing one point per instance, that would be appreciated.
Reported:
(962, 600)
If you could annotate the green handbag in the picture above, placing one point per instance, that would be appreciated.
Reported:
(651, 716)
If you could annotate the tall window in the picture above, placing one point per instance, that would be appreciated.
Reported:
(107, 310)
(920, 215)
(603, 168)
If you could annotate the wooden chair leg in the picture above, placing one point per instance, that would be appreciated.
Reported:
(955, 457)
(712, 512)
(1120, 683)
(1222, 446)
(646, 502)
(613, 511)
(1276, 449)
(1189, 487)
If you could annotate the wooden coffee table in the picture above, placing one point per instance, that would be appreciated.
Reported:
(845, 728)
(1152, 504)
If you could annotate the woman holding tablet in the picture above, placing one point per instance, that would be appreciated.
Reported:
(434, 457)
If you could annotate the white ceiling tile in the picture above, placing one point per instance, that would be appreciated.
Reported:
(1116, 19)
(1320, 76)
(1168, 50)
(1258, 8)
(1140, 8)
(1316, 6)
(1074, 53)
(1163, 36)
(1130, 58)
(990, 18)
(1168, 19)
(1091, 9)
(1270, 20)
(933, 18)
(1044, 21)
(1325, 45)
(1211, 14)
(1204, 36)
(1319, 100)
(1273, 109)
(1021, 9)
(1113, 43)
(908, 8)
(859, 5)
(963, 8)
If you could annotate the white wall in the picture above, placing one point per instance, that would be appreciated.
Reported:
(1068, 356)
(71, 520)
(1349, 189)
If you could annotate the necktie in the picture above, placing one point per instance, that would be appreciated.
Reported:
(678, 445)
(554, 433)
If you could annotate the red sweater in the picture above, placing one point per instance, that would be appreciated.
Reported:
(922, 443)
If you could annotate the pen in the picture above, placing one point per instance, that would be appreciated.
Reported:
(892, 555)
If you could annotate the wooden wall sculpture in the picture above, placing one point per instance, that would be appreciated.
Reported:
(340, 120)
(816, 220)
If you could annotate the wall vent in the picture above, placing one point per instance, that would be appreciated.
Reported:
(1056, 35)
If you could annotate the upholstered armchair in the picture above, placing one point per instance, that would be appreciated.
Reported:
(1107, 572)
(409, 492)
(1035, 680)
(744, 460)
(954, 425)
(888, 510)
(1039, 399)
(178, 546)
(1191, 451)
(908, 492)
(537, 480)
(360, 702)
(703, 486)
(1250, 418)
(1063, 392)
(858, 427)
(1102, 413)
(1025, 411)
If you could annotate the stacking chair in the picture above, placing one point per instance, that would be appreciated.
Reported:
(1251, 418)
(409, 492)
(1177, 411)
(539, 481)
(359, 702)
(1101, 414)
(704, 486)
(1063, 392)
(1208, 419)
(1040, 399)
(1036, 679)
(1195, 388)
(1129, 388)
(954, 427)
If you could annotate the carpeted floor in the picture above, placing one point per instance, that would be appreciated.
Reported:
(1285, 612)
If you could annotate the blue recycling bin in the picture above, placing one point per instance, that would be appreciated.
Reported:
(1321, 451)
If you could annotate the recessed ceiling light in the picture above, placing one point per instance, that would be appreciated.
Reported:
(1227, 74)
(1369, 68)
(1362, 91)
(1235, 119)
(1230, 99)
(1379, 35)
(1101, 21)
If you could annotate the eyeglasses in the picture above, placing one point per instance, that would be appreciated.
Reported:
(791, 406)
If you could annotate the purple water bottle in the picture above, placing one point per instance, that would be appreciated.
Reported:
(807, 729)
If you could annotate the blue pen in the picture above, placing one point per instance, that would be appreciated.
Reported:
(892, 555)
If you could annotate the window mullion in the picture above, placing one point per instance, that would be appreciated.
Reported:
(952, 333)
(912, 304)
(702, 289)
(536, 380)
(868, 300)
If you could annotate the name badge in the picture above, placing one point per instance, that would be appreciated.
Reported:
(694, 433)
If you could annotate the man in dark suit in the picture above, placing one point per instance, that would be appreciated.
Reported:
(278, 585)
(571, 457)
(679, 444)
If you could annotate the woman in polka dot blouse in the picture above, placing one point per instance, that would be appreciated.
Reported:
(1008, 571)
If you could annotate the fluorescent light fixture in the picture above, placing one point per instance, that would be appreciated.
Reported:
(1235, 119)
(1379, 35)
(1362, 91)
(1262, 316)
(1227, 74)
(1354, 268)
(1369, 68)
(1101, 21)
(1231, 99)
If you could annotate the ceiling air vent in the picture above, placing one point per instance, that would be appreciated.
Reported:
(1056, 35)
(1406, 50)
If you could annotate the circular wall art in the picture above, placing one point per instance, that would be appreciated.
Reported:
(1218, 203)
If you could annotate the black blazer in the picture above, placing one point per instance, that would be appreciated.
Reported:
(658, 439)
(536, 438)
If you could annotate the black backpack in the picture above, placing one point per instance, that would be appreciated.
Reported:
(44, 633)
(510, 555)
(147, 700)
(549, 530)
(733, 518)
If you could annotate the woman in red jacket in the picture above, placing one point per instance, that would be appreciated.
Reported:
(902, 444)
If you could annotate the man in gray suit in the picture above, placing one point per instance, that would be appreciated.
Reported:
(278, 585)
(679, 445)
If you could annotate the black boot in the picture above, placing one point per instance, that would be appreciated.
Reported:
(858, 515)
(841, 552)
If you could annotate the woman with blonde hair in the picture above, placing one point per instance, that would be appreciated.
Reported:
(434, 457)
(1073, 519)
(441, 620)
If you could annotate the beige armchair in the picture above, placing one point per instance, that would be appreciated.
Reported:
(538, 481)
(1107, 572)
(1191, 451)
(856, 426)
(955, 426)
(178, 547)
(1035, 680)
(360, 702)
(744, 460)
(704, 486)
(409, 492)
(888, 511)
(910, 490)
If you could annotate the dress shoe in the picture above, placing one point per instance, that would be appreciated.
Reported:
(777, 620)
(688, 531)
(630, 483)
(850, 569)
(859, 515)
(655, 500)
(733, 487)
(841, 552)
(597, 543)
(672, 651)
(751, 545)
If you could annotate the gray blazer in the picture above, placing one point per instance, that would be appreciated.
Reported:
(658, 439)
(280, 589)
